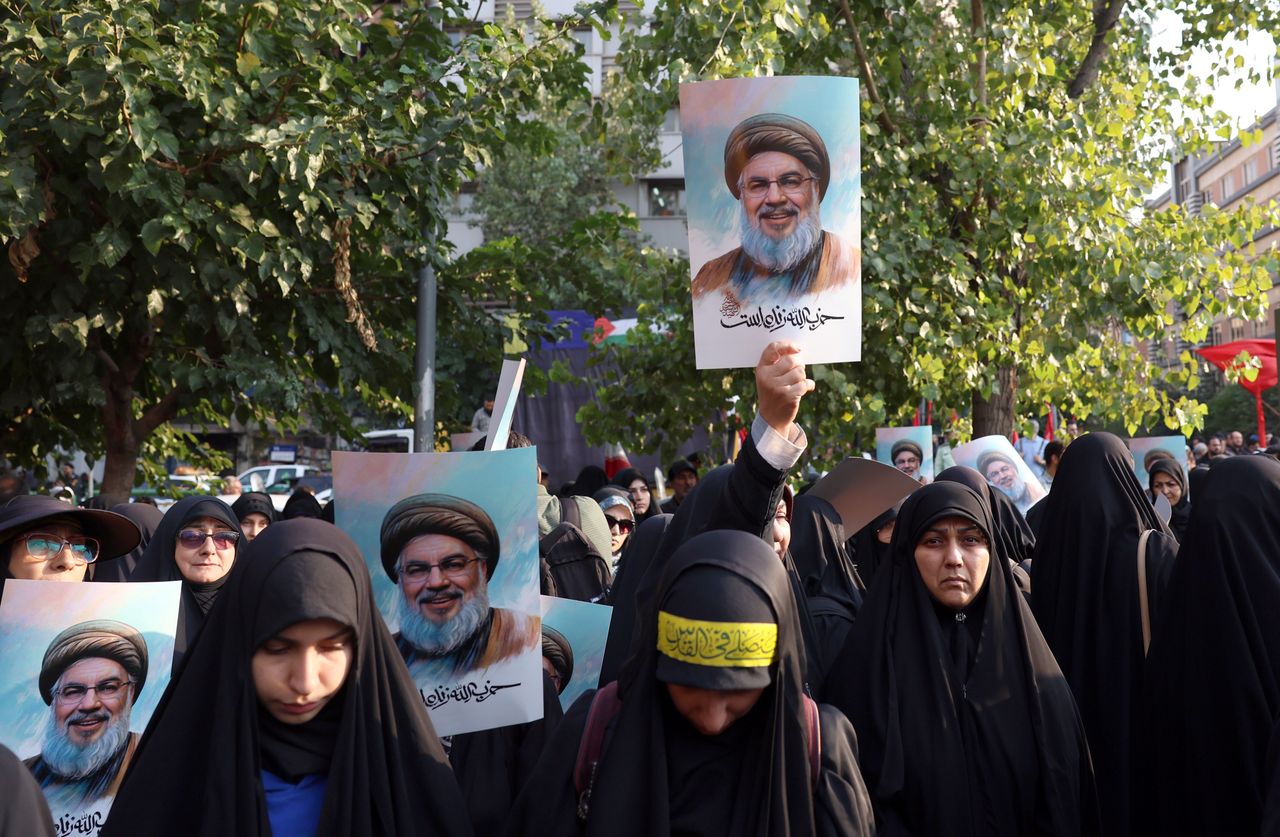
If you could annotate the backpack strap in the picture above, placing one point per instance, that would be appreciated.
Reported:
(1144, 606)
(605, 706)
(814, 728)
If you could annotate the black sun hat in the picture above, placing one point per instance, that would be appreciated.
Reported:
(116, 533)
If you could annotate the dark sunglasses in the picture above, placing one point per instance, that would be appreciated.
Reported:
(194, 538)
(623, 525)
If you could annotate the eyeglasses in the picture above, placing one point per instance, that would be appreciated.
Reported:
(72, 693)
(622, 525)
(454, 568)
(194, 538)
(42, 547)
(790, 184)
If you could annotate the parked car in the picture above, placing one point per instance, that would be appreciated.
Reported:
(321, 485)
(261, 477)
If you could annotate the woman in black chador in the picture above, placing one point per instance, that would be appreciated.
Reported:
(712, 734)
(1086, 598)
(965, 724)
(1212, 690)
(294, 713)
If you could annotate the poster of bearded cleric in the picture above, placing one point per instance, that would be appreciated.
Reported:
(773, 185)
(84, 666)
(452, 544)
(909, 449)
(1147, 449)
(1003, 469)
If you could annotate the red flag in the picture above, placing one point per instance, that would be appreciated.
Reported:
(615, 460)
(1048, 423)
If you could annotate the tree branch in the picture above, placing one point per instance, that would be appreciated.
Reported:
(157, 414)
(873, 93)
(1105, 15)
(979, 25)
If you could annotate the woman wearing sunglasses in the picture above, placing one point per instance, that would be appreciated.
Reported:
(45, 539)
(618, 511)
(196, 544)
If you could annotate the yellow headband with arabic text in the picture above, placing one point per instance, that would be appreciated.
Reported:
(702, 643)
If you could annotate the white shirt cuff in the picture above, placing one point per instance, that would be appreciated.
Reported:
(781, 452)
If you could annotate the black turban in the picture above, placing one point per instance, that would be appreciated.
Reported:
(438, 514)
(97, 638)
(905, 444)
(557, 650)
(775, 132)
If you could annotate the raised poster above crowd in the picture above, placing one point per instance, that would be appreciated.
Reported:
(1147, 449)
(85, 665)
(451, 541)
(909, 449)
(573, 639)
(773, 184)
(1003, 469)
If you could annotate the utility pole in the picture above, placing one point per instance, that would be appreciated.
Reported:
(424, 413)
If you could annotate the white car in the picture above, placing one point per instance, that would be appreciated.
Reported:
(257, 479)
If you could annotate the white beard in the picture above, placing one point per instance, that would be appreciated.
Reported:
(74, 761)
(779, 256)
(441, 640)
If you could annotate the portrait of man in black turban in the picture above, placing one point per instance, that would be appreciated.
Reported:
(778, 168)
(90, 677)
(441, 551)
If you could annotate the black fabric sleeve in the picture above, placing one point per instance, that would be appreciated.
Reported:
(23, 811)
(841, 804)
(548, 804)
(751, 496)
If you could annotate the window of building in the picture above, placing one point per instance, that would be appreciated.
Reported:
(666, 198)
(586, 38)
(1228, 185)
(671, 122)
(1237, 330)
(1250, 170)
(1182, 180)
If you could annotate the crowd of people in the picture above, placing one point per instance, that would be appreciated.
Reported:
(1104, 664)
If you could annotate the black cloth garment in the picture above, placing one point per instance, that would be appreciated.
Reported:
(147, 518)
(23, 811)
(743, 497)
(1181, 513)
(1212, 690)
(492, 765)
(255, 502)
(965, 722)
(590, 479)
(868, 553)
(104, 502)
(623, 480)
(197, 769)
(828, 580)
(301, 503)
(657, 774)
(1017, 543)
(644, 543)
(157, 564)
(1085, 598)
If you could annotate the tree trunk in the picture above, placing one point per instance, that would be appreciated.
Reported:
(122, 462)
(994, 416)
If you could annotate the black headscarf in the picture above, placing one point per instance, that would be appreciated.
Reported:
(1017, 543)
(590, 479)
(827, 585)
(301, 503)
(658, 775)
(869, 554)
(104, 501)
(198, 765)
(964, 722)
(1212, 691)
(643, 546)
(1182, 511)
(623, 480)
(255, 502)
(1085, 598)
(157, 564)
(147, 519)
